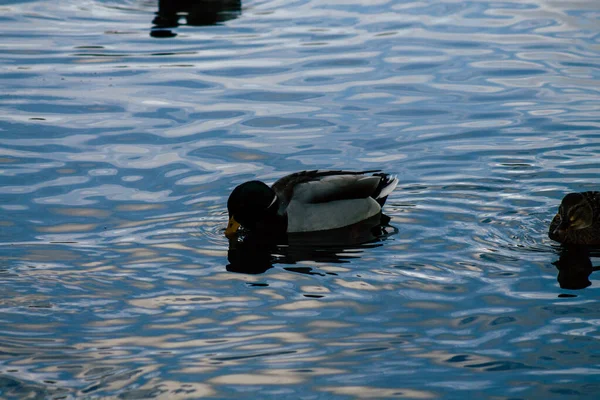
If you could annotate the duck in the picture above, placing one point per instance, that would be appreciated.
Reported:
(578, 220)
(308, 201)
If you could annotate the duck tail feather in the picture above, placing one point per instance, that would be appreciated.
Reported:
(386, 186)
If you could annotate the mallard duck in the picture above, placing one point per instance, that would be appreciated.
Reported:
(308, 201)
(578, 220)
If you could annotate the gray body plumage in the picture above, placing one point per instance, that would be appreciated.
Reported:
(323, 200)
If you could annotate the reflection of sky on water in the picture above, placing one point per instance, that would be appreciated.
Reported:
(118, 151)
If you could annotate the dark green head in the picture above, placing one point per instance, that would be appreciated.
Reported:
(249, 205)
(574, 213)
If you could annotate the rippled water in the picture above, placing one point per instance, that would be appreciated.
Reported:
(122, 134)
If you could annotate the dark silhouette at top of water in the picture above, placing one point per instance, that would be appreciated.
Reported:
(194, 12)
(255, 255)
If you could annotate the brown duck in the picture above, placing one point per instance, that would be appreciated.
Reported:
(578, 220)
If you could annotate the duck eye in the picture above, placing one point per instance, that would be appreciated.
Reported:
(572, 218)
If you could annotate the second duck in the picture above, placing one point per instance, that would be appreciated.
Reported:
(578, 220)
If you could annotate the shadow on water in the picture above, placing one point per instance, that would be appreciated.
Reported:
(575, 267)
(254, 255)
(194, 12)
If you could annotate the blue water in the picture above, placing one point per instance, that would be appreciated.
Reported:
(122, 134)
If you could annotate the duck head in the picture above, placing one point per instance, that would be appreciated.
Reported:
(574, 213)
(251, 205)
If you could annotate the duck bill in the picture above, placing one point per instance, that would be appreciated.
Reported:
(561, 229)
(232, 228)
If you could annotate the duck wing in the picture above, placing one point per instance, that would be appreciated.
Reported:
(319, 186)
(593, 199)
(323, 200)
(335, 188)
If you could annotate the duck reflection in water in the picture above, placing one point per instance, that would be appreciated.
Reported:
(307, 215)
(253, 254)
(575, 267)
(195, 12)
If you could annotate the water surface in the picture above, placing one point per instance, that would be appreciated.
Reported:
(122, 133)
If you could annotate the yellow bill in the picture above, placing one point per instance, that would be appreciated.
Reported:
(232, 228)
